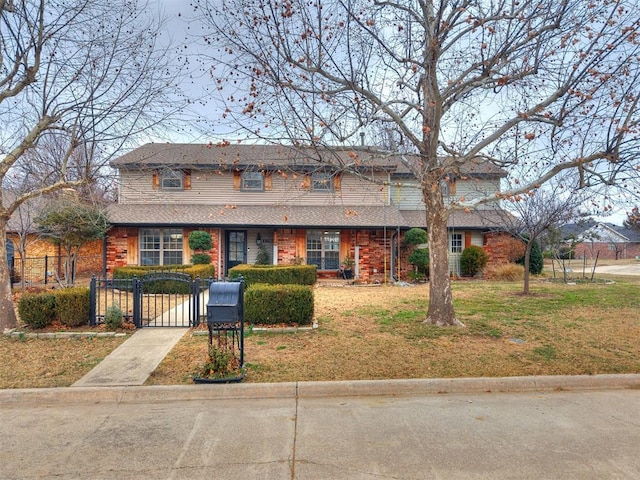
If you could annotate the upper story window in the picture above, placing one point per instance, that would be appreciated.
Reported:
(322, 182)
(448, 186)
(252, 181)
(172, 180)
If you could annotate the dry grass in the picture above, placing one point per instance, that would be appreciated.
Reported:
(39, 363)
(377, 333)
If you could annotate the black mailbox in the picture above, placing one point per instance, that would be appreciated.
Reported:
(225, 303)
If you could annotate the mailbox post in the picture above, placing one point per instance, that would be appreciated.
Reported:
(225, 315)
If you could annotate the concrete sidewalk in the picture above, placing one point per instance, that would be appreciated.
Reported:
(135, 359)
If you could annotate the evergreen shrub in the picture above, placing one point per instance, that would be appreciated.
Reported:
(73, 306)
(37, 310)
(473, 260)
(276, 274)
(275, 304)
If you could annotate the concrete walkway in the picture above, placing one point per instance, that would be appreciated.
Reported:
(133, 361)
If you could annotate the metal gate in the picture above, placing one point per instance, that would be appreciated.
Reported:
(157, 299)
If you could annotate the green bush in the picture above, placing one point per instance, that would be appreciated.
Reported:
(262, 258)
(415, 236)
(73, 306)
(274, 304)
(536, 260)
(276, 274)
(473, 260)
(37, 310)
(201, 259)
(420, 258)
(113, 317)
(202, 271)
(200, 240)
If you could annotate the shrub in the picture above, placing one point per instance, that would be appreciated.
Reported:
(415, 236)
(37, 310)
(202, 271)
(73, 306)
(420, 258)
(536, 260)
(201, 259)
(508, 272)
(273, 304)
(113, 317)
(200, 240)
(276, 274)
(473, 260)
(262, 258)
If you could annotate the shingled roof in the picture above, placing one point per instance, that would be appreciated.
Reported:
(228, 156)
(255, 216)
(290, 216)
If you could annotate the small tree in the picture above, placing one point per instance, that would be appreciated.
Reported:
(71, 224)
(199, 240)
(262, 258)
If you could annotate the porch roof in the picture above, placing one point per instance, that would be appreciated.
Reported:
(473, 220)
(255, 215)
(286, 216)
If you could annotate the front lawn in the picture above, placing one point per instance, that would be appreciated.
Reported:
(376, 332)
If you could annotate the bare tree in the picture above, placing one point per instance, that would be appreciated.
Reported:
(78, 80)
(460, 81)
(530, 215)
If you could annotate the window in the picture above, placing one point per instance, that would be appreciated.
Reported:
(252, 181)
(161, 246)
(171, 180)
(323, 249)
(456, 243)
(321, 182)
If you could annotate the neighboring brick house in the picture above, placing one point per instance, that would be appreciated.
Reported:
(603, 240)
(283, 199)
(42, 257)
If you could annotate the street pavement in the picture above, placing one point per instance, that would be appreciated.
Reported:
(327, 430)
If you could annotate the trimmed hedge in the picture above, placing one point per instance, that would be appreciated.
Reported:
(275, 304)
(73, 306)
(163, 285)
(37, 310)
(276, 274)
(202, 271)
(70, 306)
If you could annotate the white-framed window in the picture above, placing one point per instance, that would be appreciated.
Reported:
(161, 246)
(456, 243)
(321, 182)
(323, 249)
(252, 182)
(172, 180)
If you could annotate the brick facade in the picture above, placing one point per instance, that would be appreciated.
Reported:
(607, 250)
(502, 248)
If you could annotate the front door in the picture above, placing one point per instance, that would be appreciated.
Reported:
(236, 248)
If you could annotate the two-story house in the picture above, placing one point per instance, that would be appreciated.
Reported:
(353, 203)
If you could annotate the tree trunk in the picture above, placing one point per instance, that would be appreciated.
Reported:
(440, 312)
(7, 313)
(527, 261)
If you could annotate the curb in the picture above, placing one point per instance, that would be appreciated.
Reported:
(293, 390)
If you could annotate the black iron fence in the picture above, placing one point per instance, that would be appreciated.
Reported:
(158, 299)
(50, 268)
